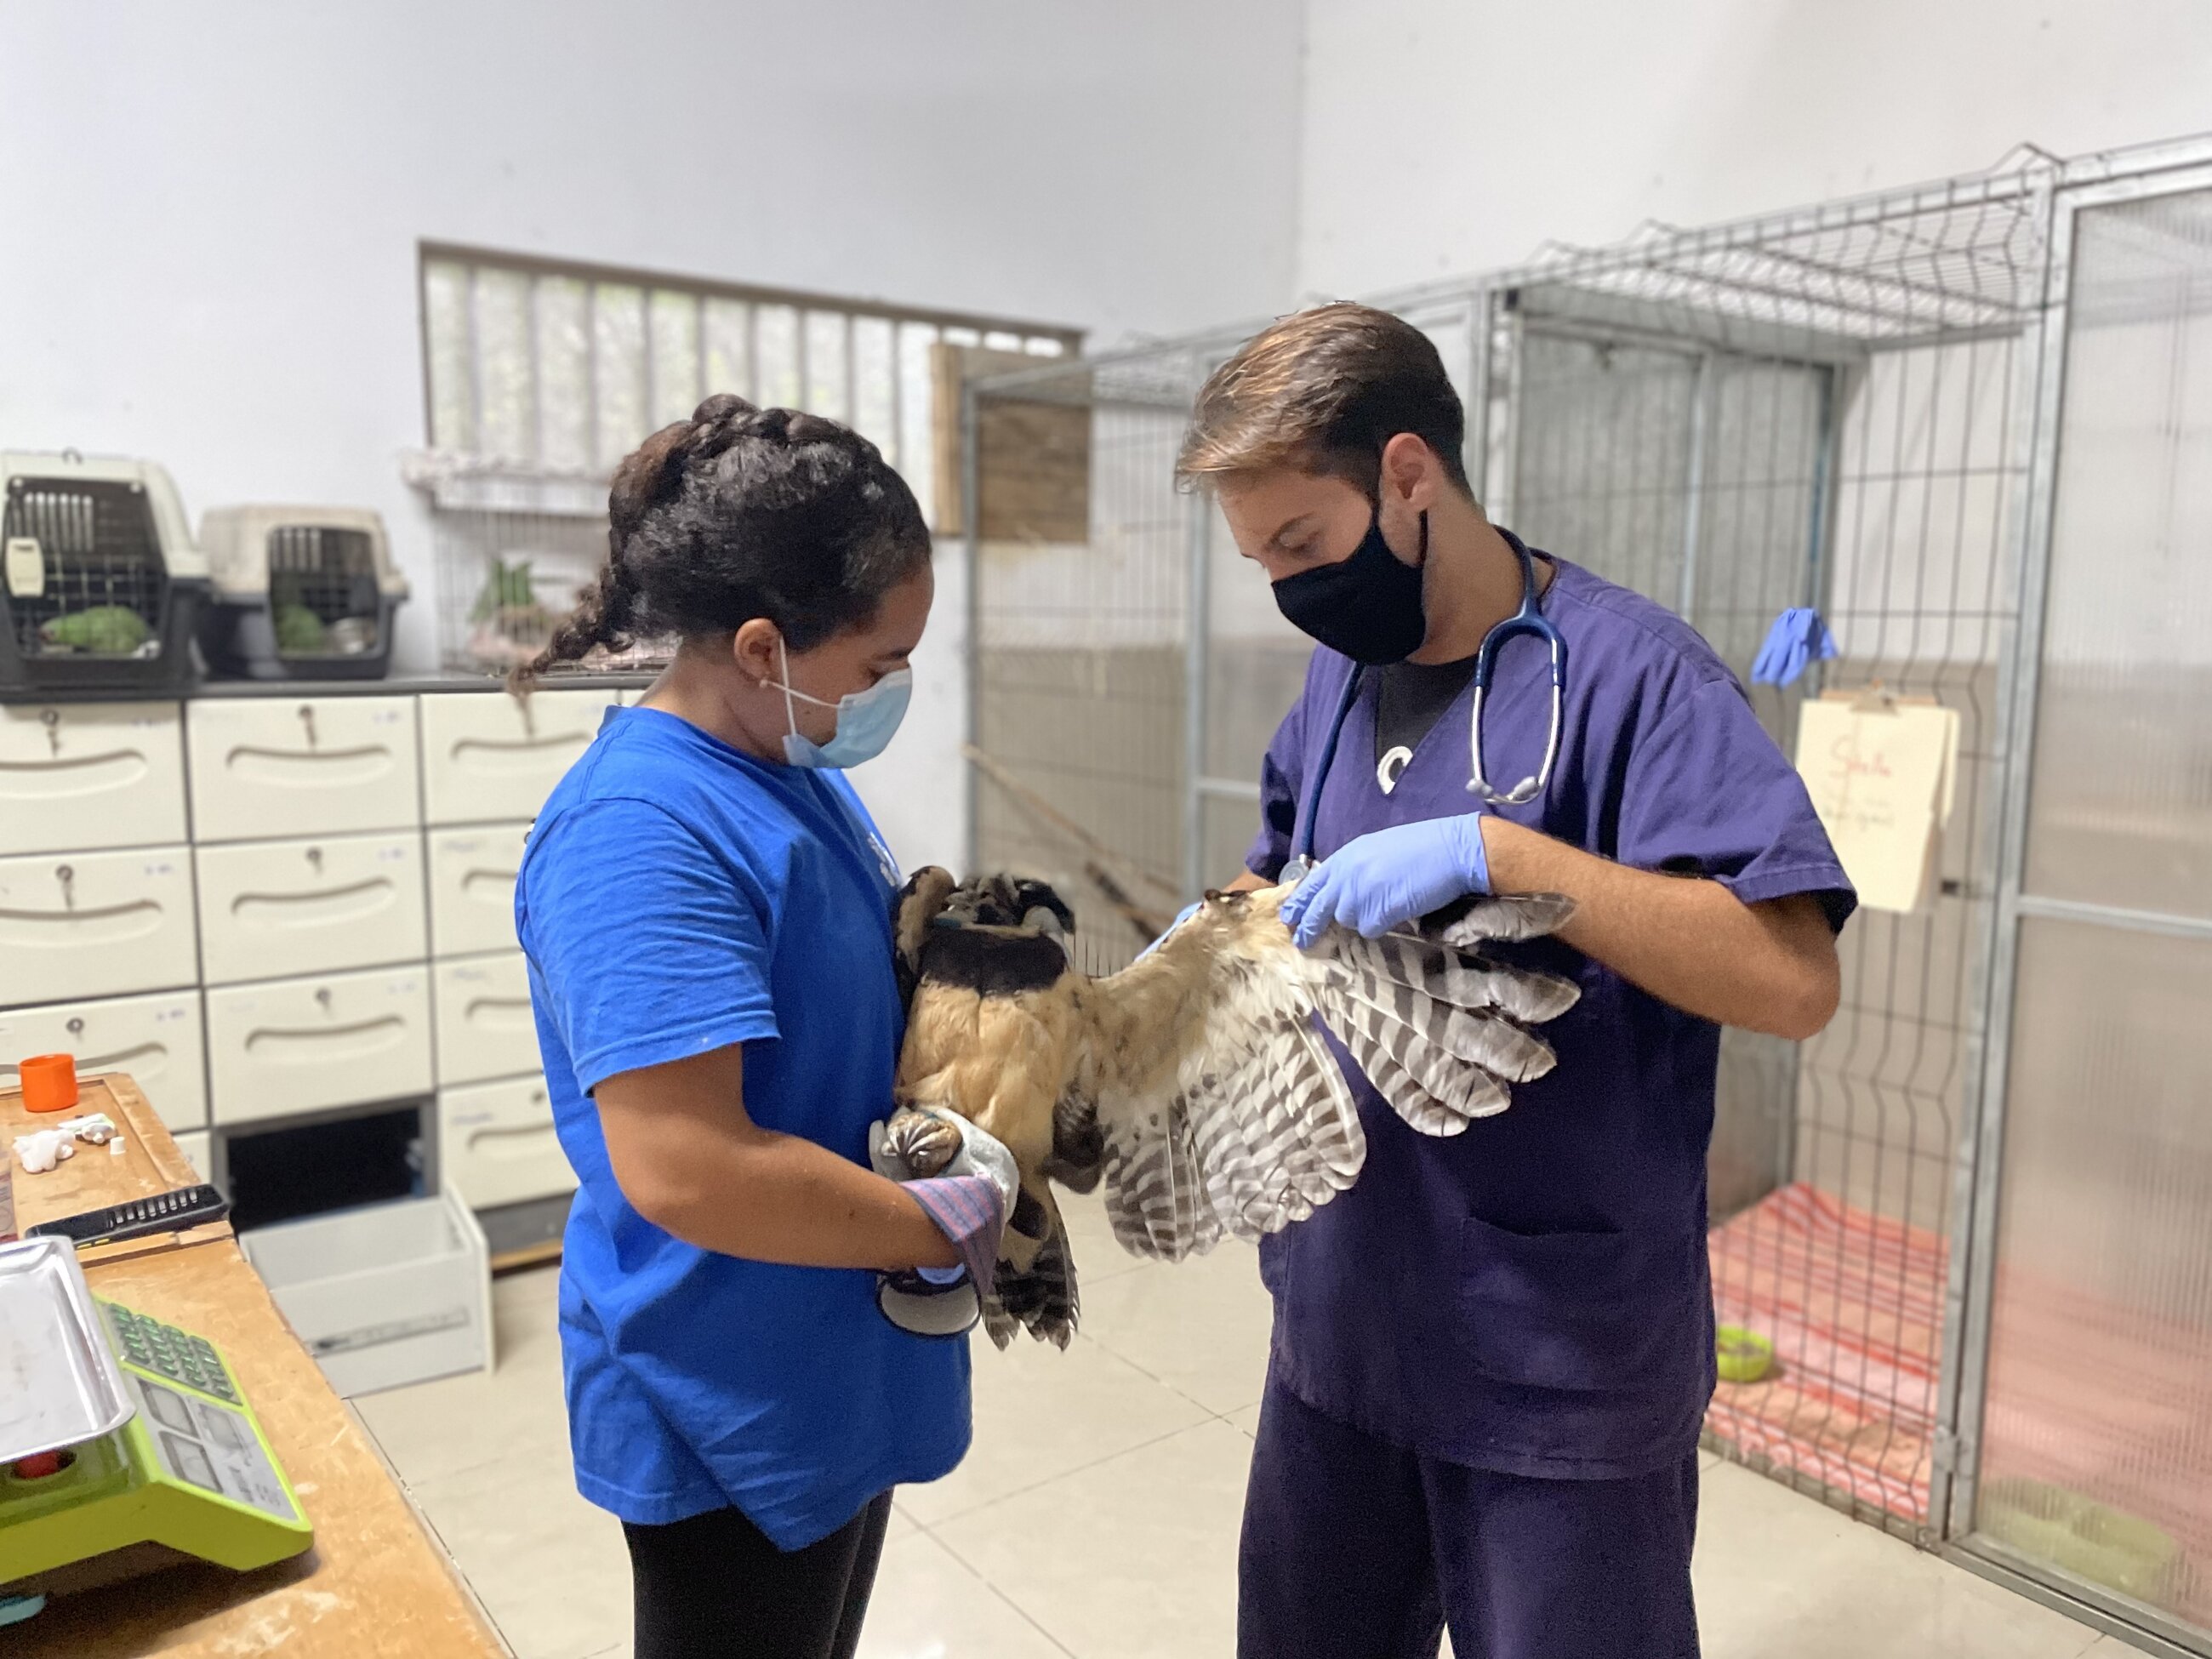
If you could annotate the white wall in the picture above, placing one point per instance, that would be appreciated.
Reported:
(212, 210)
(917, 789)
(1443, 137)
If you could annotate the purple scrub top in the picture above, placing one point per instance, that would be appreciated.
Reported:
(1533, 1295)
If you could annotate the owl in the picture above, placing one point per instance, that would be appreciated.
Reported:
(1194, 1083)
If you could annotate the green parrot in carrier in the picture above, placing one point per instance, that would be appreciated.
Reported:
(299, 631)
(104, 630)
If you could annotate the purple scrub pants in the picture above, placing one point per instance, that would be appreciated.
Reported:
(1354, 1549)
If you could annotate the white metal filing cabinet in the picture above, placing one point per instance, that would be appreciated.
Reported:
(301, 766)
(268, 908)
(488, 764)
(76, 924)
(473, 873)
(287, 902)
(77, 777)
(487, 759)
(284, 1047)
(484, 1026)
(497, 1139)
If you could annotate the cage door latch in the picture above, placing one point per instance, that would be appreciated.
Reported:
(1944, 1450)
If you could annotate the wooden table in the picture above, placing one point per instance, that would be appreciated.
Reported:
(376, 1582)
(150, 1162)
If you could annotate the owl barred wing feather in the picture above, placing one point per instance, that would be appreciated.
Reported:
(1483, 919)
(1222, 1112)
(1226, 1114)
(1195, 1083)
(1409, 1011)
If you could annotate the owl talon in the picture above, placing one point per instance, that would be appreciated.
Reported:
(923, 1141)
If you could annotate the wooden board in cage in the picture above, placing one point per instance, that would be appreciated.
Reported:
(1034, 443)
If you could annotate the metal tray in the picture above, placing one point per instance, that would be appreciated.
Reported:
(60, 1385)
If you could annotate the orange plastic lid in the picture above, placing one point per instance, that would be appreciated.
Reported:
(49, 1082)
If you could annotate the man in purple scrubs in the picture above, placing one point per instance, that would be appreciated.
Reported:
(1492, 1355)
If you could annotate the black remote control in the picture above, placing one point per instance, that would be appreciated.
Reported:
(164, 1213)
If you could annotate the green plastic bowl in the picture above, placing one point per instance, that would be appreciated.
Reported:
(2090, 1540)
(1742, 1355)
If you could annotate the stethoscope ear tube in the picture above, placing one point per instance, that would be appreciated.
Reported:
(1528, 620)
(1302, 830)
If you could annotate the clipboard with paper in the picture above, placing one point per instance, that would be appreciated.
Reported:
(1882, 773)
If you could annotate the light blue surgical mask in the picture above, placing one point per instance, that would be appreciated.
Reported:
(865, 719)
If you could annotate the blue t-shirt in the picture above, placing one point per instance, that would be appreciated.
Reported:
(1533, 1295)
(678, 896)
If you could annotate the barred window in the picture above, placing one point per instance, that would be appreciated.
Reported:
(550, 367)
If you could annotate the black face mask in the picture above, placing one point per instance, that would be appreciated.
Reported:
(1367, 606)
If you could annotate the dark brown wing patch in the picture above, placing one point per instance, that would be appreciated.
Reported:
(991, 961)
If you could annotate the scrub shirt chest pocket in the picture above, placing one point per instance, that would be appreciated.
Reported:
(1598, 1312)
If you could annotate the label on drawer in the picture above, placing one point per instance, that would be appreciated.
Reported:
(26, 568)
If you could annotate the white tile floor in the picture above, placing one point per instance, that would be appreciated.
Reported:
(1096, 1515)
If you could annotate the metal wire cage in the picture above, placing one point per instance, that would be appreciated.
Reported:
(1081, 618)
(1822, 410)
(1853, 407)
(102, 584)
(512, 553)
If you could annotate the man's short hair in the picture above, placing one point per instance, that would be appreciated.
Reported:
(1322, 391)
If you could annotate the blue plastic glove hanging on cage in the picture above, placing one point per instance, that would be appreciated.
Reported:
(1798, 639)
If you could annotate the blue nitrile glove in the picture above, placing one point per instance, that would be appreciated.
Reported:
(1798, 639)
(1181, 916)
(1389, 876)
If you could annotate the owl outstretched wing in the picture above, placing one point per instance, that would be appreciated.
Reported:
(1220, 1108)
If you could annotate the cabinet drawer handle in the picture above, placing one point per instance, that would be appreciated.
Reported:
(73, 915)
(348, 903)
(496, 1143)
(496, 1006)
(72, 773)
(516, 746)
(261, 751)
(314, 1041)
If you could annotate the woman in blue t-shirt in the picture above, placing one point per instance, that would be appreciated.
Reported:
(751, 1320)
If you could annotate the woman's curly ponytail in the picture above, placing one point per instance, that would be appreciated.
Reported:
(741, 513)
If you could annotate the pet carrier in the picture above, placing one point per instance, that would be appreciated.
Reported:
(301, 592)
(101, 587)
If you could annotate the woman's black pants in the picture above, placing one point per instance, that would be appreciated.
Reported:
(713, 1587)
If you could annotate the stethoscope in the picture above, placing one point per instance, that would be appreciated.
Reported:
(1530, 620)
